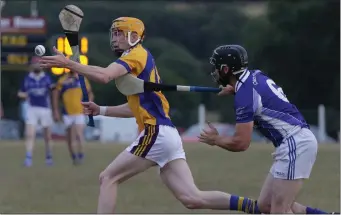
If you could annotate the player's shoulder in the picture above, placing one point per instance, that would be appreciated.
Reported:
(260, 81)
(29, 75)
(244, 82)
(258, 75)
(26, 78)
(135, 52)
(249, 81)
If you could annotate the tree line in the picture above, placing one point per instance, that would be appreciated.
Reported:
(296, 43)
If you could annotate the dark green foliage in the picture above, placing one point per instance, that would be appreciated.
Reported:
(295, 42)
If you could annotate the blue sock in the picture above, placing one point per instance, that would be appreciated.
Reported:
(80, 155)
(244, 204)
(28, 155)
(73, 156)
(310, 210)
(48, 155)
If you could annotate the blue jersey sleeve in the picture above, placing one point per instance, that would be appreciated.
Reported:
(243, 104)
(50, 83)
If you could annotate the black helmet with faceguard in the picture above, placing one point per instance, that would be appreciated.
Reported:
(228, 60)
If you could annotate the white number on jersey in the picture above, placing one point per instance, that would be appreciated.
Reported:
(277, 90)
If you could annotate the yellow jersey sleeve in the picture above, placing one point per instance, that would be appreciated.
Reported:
(134, 61)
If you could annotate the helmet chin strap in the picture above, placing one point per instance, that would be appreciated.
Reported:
(129, 40)
(239, 71)
(226, 80)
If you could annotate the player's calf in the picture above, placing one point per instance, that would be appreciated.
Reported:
(70, 139)
(122, 168)
(177, 176)
(79, 129)
(48, 146)
(29, 144)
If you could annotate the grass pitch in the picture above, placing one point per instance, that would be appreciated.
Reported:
(64, 188)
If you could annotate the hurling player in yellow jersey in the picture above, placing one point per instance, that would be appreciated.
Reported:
(69, 90)
(159, 143)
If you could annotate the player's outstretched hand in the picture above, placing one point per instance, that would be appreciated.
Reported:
(209, 135)
(228, 90)
(90, 108)
(58, 60)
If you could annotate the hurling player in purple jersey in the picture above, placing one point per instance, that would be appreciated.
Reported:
(36, 88)
(260, 103)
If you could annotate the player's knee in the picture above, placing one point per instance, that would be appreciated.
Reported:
(29, 135)
(280, 205)
(105, 178)
(192, 201)
(47, 135)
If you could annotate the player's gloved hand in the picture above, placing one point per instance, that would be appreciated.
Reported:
(58, 60)
(209, 135)
(228, 90)
(90, 108)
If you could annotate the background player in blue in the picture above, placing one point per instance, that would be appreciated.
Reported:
(260, 103)
(36, 88)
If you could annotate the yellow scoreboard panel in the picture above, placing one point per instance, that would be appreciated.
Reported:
(62, 44)
(17, 50)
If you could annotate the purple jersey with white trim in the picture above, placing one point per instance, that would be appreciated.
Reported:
(259, 99)
(38, 89)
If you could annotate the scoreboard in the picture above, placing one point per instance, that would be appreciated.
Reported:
(62, 44)
(19, 36)
(17, 50)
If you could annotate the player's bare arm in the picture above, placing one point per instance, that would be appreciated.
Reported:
(98, 74)
(95, 73)
(22, 95)
(240, 141)
(55, 104)
(91, 94)
(52, 87)
(22, 92)
(121, 111)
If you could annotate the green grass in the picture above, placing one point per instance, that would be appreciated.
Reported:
(65, 188)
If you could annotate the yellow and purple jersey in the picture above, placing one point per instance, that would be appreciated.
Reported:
(71, 93)
(150, 108)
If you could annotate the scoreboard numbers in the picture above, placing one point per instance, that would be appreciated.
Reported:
(62, 44)
(19, 36)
